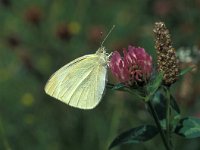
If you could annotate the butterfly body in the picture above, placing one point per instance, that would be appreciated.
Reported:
(81, 82)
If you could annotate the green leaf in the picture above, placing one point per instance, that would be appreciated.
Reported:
(184, 71)
(159, 102)
(153, 86)
(119, 86)
(109, 85)
(188, 127)
(174, 104)
(137, 92)
(135, 135)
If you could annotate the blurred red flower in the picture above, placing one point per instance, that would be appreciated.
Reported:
(134, 68)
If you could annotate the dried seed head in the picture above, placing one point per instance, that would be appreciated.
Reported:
(166, 57)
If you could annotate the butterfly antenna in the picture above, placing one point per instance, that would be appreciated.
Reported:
(107, 35)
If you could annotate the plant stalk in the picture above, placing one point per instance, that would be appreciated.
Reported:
(168, 116)
(155, 116)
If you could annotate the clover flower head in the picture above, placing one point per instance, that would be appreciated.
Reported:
(133, 68)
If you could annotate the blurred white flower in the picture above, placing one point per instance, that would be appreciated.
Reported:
(188, 55)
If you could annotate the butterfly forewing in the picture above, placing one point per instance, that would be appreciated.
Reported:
(80, 83)
(53, 85)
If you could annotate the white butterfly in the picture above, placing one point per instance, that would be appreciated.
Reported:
(80, 83)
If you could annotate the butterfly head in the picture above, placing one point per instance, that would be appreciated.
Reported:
(101, 50)
(102, 55)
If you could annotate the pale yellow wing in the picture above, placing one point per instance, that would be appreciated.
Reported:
(80, 83)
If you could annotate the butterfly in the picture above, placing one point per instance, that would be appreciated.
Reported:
(81, 82)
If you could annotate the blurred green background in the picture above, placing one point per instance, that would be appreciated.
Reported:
(38, 37)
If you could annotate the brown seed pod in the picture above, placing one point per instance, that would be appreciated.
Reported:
(166, 57)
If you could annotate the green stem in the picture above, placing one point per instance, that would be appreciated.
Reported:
(155, 116)
(168, 116)
(167, 119)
